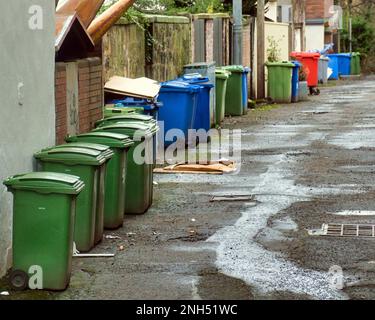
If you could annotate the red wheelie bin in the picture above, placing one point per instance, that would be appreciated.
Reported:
(310, 62)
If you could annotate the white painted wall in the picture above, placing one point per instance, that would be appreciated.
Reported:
(27, 112)
(272, 11)
(314, 37)
(280, 32)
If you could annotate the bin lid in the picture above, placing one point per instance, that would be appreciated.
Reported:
(138, 102)
(345, 54)
(134, 100)
(314, 55)
(200, 65)
(196, 78)
(129, 128)
(46, 182)
(222, 74)
(234, 69)
(113, 140)
(122, 107)
(143, 119)
(339, 55)
(324, 58)
(286, 64)
(297, 63)
(179, 86)
(72, 156)
(356, 53)
(132, 116)
(119, 109)
(105, 150)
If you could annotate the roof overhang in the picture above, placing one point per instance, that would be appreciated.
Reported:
(72, 40)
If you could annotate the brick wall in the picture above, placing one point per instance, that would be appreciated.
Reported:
(90, 96)
(60, 105)
(318, 9)
(314, 9)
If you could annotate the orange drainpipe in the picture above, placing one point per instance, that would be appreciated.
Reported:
(99, 27)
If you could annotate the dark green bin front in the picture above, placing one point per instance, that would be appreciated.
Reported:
(100, 204)
(139, 176)
(143, 119)
(120, 144)
(86, 164)
(44, 207)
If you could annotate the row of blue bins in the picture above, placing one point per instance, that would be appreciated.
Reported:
(183, 104)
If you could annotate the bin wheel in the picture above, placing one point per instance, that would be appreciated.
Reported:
(19, 280)
(314, 91)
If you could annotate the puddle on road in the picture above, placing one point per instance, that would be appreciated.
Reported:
(355, 139)
(356, 169)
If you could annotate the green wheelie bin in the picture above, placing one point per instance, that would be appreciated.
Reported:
(139, 176)
(100, 205)
(234, 95)
(355, 63)
(280, 81)
(44, 208)
(222, 77)
(144, 119)
(120, 144)
(85, 163)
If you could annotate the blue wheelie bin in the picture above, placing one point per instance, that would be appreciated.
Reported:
(245, 92)
(202, 114)
(333, 64)
(295, 80)
(344, 64)
(340, 64)
(179, 100)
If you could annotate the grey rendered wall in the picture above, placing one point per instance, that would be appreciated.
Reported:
(27, 112)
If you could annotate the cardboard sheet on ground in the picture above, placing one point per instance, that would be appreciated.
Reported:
(212, 167)
(138, 88)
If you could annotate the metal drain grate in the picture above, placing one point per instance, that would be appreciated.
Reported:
(349, 230)
(232, 197)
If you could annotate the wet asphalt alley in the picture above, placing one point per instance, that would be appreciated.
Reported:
(306, 164)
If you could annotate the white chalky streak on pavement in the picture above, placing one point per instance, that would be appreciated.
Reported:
(239, 256)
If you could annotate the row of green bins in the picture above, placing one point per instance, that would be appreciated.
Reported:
(139, 177)
(44, 208)
(114, 203)
(222, 77)
(280, 81)
(88, 164)
(234, 95)
(356, 63)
